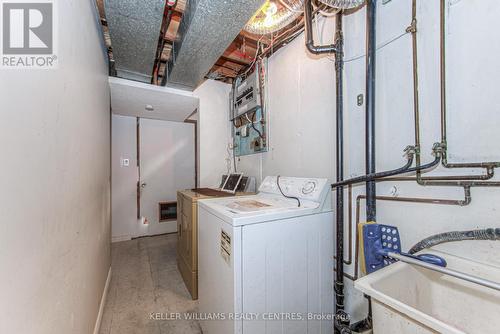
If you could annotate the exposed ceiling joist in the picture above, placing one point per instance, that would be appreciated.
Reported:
(235, 61)
(173, 28)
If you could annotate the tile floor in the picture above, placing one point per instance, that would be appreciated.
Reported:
(145, 279)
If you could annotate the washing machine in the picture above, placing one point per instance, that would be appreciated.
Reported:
(266, 260)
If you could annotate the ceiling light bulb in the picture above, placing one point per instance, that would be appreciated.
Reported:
(271, 9)
(149, 107)
(273, 16)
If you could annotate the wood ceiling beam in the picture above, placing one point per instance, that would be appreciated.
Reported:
(223, 71)
(242, 53)
(180, 6)
(253, 37)
(240, 61)
(233, 67)
(172, 28)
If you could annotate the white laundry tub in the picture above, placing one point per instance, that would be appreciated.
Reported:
(414, 300)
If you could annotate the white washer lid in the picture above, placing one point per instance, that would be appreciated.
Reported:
(259, 208)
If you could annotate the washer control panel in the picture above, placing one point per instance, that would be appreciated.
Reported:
(305, 188)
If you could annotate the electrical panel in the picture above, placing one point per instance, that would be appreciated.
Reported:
(248, 112)
(247, 95)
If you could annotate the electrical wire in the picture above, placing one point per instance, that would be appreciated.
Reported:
(257, 52)
(322, 9)
(290, 8)
(279, 39)
(320, 32)
(253, 117)
(381, 46)
(228, 158)
(252, 122)
(282, 193)
(329, 14)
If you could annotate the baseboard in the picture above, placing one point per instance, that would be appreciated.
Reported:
(97, 326)
(121, 238)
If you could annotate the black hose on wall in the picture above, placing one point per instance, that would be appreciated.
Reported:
(486, 234)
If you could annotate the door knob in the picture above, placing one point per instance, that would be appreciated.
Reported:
(143, 184)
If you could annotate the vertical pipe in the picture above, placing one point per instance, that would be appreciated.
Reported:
(416, 100)
(371, 48)
(442, 55)
(339, 77)
(315, 49)
(488, 165)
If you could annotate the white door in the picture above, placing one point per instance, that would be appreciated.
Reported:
(167, 164)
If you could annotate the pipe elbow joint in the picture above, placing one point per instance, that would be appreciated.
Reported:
(466, 201)
(311, 48)
(315, 49)
(468, 198)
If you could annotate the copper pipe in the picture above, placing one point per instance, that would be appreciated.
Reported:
(442, 53)
(466, 201)
(458, 180)
(465, 181)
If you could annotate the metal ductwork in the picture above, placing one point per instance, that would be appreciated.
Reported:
(134, 27)
(207, 28)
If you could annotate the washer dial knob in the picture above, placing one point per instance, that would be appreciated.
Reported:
(308, 187)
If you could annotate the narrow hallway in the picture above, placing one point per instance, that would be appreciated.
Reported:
(146, 280)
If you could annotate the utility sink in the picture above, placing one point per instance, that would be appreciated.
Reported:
(411, 300)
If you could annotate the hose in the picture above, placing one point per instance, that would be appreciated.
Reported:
(485, 234)
(282, 193)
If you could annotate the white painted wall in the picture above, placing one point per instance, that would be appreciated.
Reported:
(124, 179)
(55, 184)
(302, 111)
(168, 151)
(301, 116)
(213, 132)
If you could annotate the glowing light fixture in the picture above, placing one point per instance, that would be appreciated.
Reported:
(273, 16)
(343, 4)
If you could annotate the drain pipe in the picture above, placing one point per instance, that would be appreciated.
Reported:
(371, 190)
(342, 319)
(315, 49)
(371, 55)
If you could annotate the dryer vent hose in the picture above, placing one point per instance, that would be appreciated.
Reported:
(487, 234)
